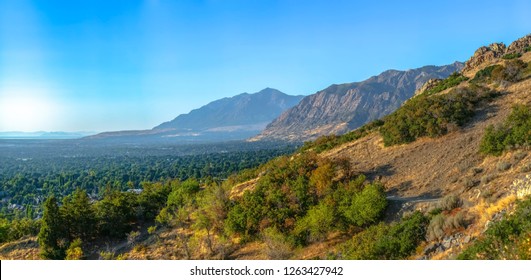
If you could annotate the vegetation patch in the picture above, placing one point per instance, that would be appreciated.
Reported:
(431, 116)
(394, 241)
(513, 133)
(506, 239)
(512, 56)
(453, 80)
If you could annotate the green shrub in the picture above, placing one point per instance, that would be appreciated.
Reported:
(452, 81)
(394, 241)
(528, 49)
(366, 207)
(512, 55)
(430, 116)
(505, 239)
(485, 74)
(278, 246)
(514, 132)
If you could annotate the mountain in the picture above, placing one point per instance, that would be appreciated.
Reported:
(340, 108)
(44, 135)
(232, 118)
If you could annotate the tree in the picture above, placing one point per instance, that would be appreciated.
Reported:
(79, 215)
(51, 234)
(366, 207)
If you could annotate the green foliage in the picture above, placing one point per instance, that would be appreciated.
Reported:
(427, 115)
(506, 239)
(365, 207)
(512, 55)
(453, 80)
(78, 216)
(381, 241)
(528, 49)
(74, 251)
(278, 246)
(513, 133)
(485, 74)
(52, 234)
(317, 223)
(115, 214)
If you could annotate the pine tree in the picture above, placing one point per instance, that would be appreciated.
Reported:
(51, 232)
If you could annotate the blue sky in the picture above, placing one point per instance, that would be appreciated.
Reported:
(113, 65)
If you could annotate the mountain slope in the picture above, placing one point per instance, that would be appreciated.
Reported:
(240, 110)
(231, 118)
(340, 108)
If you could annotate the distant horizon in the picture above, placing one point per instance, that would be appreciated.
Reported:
(130, 65)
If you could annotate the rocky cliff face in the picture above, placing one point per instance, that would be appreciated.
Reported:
(340, 108)
(489, 54)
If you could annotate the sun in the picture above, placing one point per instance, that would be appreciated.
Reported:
(26, 113)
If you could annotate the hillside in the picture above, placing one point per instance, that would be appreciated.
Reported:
(445, 176)
(341, 108)
(231, 118)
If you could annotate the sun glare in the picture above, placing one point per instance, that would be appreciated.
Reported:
(26, 113)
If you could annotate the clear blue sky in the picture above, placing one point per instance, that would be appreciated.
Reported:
(112, 65)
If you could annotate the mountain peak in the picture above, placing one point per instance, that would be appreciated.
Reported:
(343, 107)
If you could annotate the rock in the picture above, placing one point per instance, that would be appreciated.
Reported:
(466, 239)
(485, 55)
(430, 249)
(520, 45)
(446, 244)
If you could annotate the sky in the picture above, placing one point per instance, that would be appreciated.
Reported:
(120, 65)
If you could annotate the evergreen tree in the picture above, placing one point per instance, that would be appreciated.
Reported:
(51, 235)
(79, 215)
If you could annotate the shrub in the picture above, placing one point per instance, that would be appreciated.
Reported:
(528, 49)
(395, 241)
(319, 220)
(450, 202)
(505, 239)
(453, 80)
(514, 132)
(502, 166)
(366, 207)
(277, 245)
(429, 116)
(512, 55)
(443, 224)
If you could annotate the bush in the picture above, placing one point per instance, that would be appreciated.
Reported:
(430, 116)
(395, 241)
(444, 224)
(366, 207)
(512, 55)
(505, 239)
(514, 132)
(502, 166)
(319, 220)
(277, 245)
(450, 202)
(452, 81)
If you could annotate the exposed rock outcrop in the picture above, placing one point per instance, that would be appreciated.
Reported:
(520, 45)
(485, 55)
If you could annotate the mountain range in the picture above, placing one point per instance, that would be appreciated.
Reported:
(344, 107)
(232, 118)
